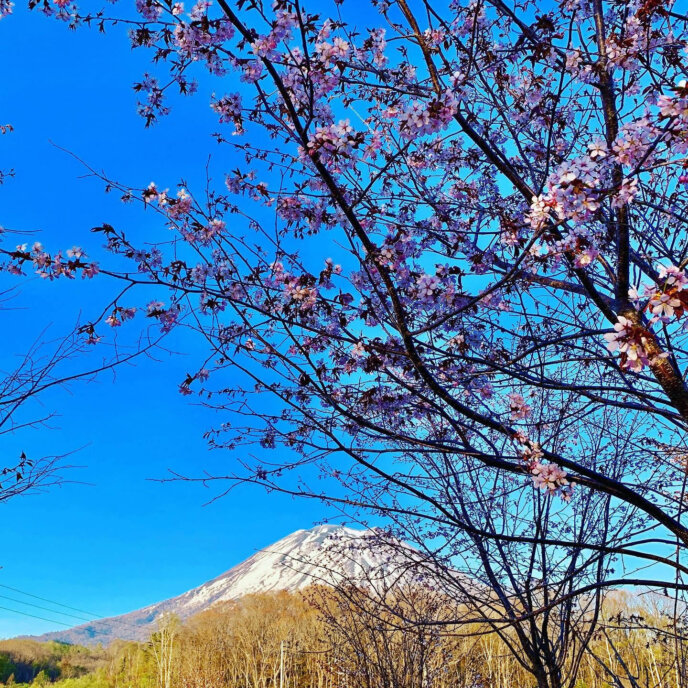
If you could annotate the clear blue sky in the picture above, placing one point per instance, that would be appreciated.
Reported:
(113, 541)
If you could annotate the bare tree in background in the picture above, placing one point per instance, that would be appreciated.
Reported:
(48, 365)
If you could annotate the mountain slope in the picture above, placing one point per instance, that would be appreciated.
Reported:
(322, 554)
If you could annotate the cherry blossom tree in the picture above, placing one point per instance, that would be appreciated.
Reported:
(453, 249)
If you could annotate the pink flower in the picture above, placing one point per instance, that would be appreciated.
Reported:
(550, 477)
(597, 150)
(627, 192)
(518, 407)
(671, 106)
(229, 110)
(337, 139)
(177, 208)
(532, 452)
(5, 8)
(662, 305)
(673, 276)
(586, 257)
(214, 228)
(332, 52)
(155, 308)
(358, 349)
(149, 9)
(427, 285)
(75, 252)
(428, 118)
(151, 193)
(622, 329)
(252, 71)
(264, 46)
(90, 271)
(631, 342)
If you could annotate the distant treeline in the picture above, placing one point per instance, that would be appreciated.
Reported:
(319, 639)
(25, 661)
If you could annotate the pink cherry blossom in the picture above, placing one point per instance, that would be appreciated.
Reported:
(631, 342)
(518, 407)
(549, 477)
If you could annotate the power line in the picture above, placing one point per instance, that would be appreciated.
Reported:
(45, 609)
(94, 631)
(108, 622)
(44, 599)
(33, 616)
(93, 617)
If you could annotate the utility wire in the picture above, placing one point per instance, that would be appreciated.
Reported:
(45, 609)
(44, 599)
(95, 631)
(107, 622)
(33, 616)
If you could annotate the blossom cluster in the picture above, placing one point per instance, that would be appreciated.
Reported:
(626, 193)
(551, 478)
(426, 286)
(49, 266)
(670, 298)
(167, 317)
(298, 291)
(153, 106)
(580, 242)
(631, 341)
(199, 39)
(291, 208)
(202, 231)
(329, 53)
(635, 142)
(677, 105)
(229, 110)
(576, 189)
(665, 300)
(376, 45)
(428, 117)
(573, 193)
(175, 208)
(518, 406)
(313, 78)
(252, 70)
(545, 476)
(625, 51)
(120, 315)
(151, 10)
(434, 37)
(336, 140)
(265, 46)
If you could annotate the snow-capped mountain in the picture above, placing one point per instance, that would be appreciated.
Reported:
(321, 555)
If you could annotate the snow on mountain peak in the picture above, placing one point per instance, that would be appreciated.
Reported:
(323, 554)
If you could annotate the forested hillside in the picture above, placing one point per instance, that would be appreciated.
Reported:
(325, 639)
(28, 661)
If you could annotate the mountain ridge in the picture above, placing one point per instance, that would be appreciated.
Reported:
(323, 554)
